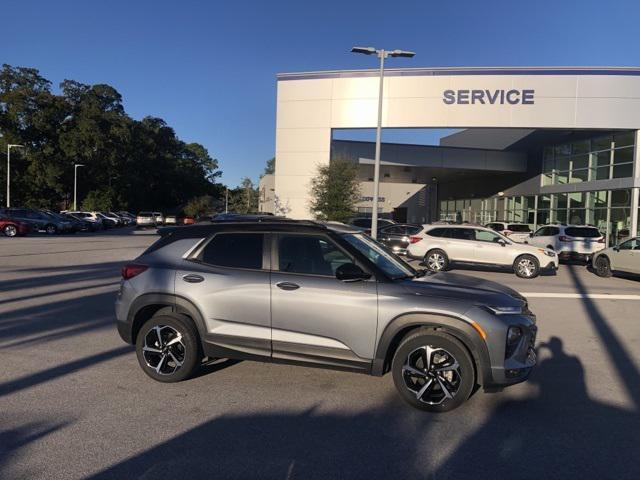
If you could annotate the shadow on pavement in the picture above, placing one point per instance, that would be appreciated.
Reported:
(560, 433)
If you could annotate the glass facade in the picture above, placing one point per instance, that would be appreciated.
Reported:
(599, 158)
(608, 210)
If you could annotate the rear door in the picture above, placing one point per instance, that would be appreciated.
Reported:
(316, 318)
(229, 283)
(459, 244)
(543, 237)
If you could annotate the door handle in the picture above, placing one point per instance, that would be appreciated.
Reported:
(287, 286)
(193, 278)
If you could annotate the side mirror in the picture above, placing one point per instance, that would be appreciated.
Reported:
(350, 272)
(531, 235)
(502, 242)
(616, 248)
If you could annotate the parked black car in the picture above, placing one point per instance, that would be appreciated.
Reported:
(80, 224)
(398, 237)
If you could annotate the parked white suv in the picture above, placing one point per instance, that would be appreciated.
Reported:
(440, 246)
(518, 232)
(576, 242)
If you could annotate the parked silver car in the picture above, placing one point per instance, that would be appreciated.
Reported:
(621, 258)
(320, 295)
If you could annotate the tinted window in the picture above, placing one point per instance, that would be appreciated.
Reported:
(362, 222)
(461, 233)
(495, 226)
(437, 232)
(516, 227)
(586, 232)
(413, 230)
(395, 230)
(630, 244)
(238, 250)
(309, 254)
(553, 231)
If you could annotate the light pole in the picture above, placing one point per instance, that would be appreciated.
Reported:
(9, 147)
(75, 185)
(382, 54)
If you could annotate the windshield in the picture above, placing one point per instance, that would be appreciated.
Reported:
(390, 264)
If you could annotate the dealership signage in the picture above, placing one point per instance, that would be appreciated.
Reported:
(489, 97)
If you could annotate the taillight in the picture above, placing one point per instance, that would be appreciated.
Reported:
(414, 239)
(562, 238)
(130, 270)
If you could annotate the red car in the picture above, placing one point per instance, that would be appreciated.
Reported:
(188, 221)
(11, 227)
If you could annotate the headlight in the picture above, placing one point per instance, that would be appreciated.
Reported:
(548, 253)
(505, 310)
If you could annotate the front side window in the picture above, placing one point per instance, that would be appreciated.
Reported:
(486, 236)
(309, 254)
(235, 250)
(390, 264)
(629, 244)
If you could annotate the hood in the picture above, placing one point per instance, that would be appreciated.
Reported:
(465, 287)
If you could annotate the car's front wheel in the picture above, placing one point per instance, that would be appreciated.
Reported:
(603, 267)
(433, 371)
(168, 349)
(526, 266)
(51, 229)
(10, 230)
(436, 260)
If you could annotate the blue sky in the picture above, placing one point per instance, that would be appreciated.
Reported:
(208, 67)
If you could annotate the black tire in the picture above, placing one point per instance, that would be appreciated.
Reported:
(436, 260)
(460, 383)
(526, 266)
(188, 350)
(10, 230)
(51, 229)
(603, 266)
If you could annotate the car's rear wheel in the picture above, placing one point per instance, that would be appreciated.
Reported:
(603, 267)
(436, 260)
(526, 266)
(51, 229)
(10, 230)
(168, 348)
(433, 371)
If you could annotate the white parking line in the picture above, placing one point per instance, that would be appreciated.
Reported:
(605, 296)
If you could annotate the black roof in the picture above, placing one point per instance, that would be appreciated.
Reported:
(273, 224)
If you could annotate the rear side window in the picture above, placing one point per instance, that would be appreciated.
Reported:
(437, 232)
(236, 250)
(362, 222)
(518, 227)
(462, 234)
(413, 230)
(584, 232)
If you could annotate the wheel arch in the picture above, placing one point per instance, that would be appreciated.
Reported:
(458, 328)
(146, 306)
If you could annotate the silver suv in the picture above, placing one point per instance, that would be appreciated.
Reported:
(322, 295)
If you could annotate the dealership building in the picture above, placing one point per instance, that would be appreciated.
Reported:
(531, 145)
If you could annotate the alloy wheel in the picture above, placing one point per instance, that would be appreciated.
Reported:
(164, 349)
(10, 231)
(435, 262)
(526, 267)
(432, 374)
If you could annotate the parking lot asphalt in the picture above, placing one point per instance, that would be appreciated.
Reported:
(75, 404)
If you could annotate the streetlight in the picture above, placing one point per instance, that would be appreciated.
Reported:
(382, 54)
(75, 185)
(9, 147)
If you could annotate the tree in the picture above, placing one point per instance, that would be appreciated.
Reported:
(270, 168)
(244, 199)
(335, 190)
(99, 200)
(129, 164)
(199, 206)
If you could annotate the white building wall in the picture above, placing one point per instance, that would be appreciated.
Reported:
(308, 109)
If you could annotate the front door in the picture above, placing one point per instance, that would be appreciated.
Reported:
(488, 250)
(316, 318)
(627, 257)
